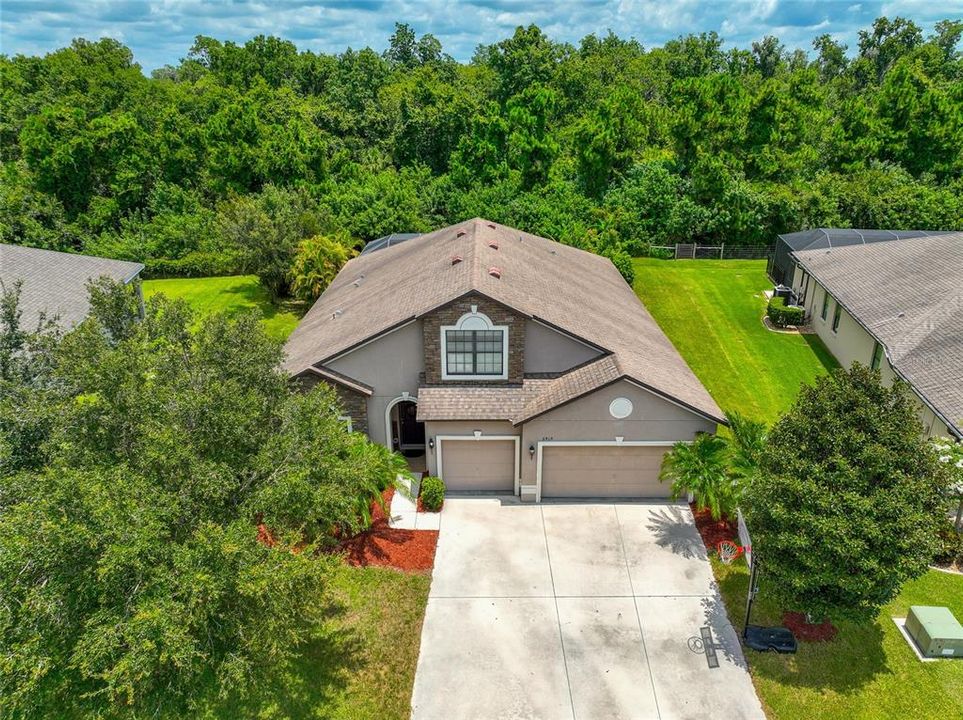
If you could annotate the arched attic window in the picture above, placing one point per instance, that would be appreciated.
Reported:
(474, 349)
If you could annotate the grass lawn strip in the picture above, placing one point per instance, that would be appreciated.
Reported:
(362, 663)
(712, 312)
(231, 295)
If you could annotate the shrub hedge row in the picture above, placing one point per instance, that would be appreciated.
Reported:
(782, 314)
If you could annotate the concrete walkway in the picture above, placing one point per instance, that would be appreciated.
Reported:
(403, 512)
(574, 611)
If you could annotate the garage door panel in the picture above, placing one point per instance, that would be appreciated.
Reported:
(603, 471)
(478, 465)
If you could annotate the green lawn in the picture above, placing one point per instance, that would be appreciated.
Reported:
(712, 312)
(231, 295)
(867, 672)
(361, 666)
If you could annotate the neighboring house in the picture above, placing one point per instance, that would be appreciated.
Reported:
(504, 362)
(55, 283)
(782, 264)
(895, 305)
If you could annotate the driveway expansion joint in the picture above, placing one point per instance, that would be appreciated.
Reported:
(558, 617)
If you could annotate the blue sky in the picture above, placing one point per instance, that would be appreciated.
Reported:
(161, 31)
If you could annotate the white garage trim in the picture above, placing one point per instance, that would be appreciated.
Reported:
(479, 437)
(618, 442)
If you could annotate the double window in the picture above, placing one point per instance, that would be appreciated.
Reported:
(474, 348)
(474, 352)
(825, 310)
(836, 315)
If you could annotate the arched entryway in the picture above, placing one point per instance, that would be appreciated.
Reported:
(404, 432)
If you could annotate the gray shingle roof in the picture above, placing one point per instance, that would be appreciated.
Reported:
(577, 291)
(909, 296)
(55, 283)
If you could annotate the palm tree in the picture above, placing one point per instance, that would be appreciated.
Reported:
(747, 445)
(702, 468)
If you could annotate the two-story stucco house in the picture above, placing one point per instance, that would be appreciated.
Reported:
(895, 305)
(505, 362)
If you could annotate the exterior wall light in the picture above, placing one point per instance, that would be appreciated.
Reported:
(531, 451)
(431, 443)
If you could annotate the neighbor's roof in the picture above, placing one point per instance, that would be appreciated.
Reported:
(841, 237)
(55, 283)
(577, 291)
(909, 296)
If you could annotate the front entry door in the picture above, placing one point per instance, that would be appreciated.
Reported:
(411, 432)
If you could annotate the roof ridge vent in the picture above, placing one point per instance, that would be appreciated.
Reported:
(455, 259)
(495, 272)
(460, 233)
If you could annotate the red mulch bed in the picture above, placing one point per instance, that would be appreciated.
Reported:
(808, 632)
(384, 546)
(713, 531)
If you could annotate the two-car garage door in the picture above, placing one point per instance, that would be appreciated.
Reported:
(614, 471)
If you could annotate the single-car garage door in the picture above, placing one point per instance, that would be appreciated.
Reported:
(603, 471)
(478, 465)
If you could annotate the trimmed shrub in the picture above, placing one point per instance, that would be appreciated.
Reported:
(432, 493)
(782, 314)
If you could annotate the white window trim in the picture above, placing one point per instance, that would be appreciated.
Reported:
(618, 442)
(478, 438)
(458, 326)
(346, 419)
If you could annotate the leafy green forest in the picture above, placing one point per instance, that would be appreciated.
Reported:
(260, 158)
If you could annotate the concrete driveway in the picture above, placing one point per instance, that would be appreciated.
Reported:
(577, 610)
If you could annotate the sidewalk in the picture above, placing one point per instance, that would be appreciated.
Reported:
(404, 514)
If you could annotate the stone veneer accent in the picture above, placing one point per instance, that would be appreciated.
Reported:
(449, 315)
(354, 404)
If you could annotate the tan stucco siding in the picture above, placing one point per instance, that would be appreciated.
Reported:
(588, 418)
(549, 351)
(391, 364)
(465, 428)
(853, 343)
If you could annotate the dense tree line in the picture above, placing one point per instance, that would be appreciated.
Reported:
(607, 145)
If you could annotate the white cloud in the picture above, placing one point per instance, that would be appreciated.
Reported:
(162, 31)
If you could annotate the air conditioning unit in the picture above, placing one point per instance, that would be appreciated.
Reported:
(936, 632)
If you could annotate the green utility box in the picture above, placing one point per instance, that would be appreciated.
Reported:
(936, 632)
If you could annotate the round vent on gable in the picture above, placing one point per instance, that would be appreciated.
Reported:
(620, 408)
